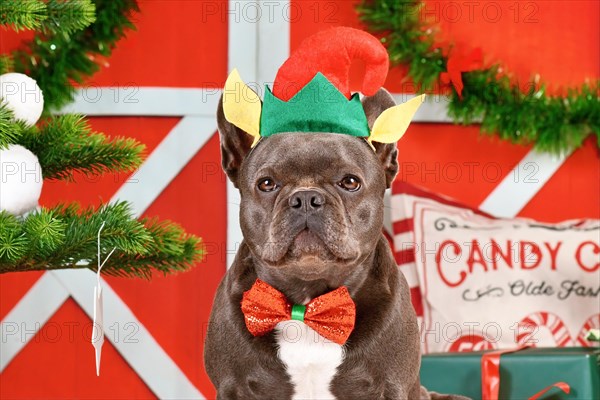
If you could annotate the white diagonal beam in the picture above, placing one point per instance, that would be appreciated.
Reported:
(28, 316)
(165, 162)
(525, 180)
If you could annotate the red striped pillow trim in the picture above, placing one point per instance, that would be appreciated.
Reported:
(403, 226)
(417, 302)
(400, 188)
(406, 256)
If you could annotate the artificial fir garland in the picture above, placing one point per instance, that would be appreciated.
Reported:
(88, 153)
(52, 15)
(65, 236)
(63, 52)
(552, 124)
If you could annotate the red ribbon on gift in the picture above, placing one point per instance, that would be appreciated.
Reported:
(490, 376)
(490, 373)
(561, 385)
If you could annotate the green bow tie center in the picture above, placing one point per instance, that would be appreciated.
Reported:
(298, 311)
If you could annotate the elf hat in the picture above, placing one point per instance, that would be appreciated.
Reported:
(311, 92)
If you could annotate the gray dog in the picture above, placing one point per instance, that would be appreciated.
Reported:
(312, 215)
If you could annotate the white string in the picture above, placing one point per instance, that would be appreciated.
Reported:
(100, 265)
(98, 317)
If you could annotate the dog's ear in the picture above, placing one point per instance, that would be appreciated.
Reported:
(387, 152)
(235, 144)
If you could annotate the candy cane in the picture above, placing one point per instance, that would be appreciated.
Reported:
(592, 322)
(548, 320)
(476, 341)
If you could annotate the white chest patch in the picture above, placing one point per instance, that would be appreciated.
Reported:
(310, 359)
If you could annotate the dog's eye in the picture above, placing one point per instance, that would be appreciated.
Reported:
(267, 185)
(350, 183)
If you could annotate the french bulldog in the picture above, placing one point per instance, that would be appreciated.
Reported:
(311, 215)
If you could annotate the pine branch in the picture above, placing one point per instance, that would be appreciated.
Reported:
(22, 14)
(9, 130)
(66, 237)
(45, 233)
(6, 64)
(69, 16)
(170, 251)
(66, 144)
(13, 243)
(56, 60)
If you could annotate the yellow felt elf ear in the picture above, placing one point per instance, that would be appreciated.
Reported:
(391, 125)
(242, 106)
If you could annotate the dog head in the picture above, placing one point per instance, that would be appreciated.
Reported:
(311, 203)
(312, 162)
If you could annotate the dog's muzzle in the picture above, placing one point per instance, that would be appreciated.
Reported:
(306, 201)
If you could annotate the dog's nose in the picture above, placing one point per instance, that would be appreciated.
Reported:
(307, 200)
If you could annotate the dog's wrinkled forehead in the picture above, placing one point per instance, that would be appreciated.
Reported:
(310, 153)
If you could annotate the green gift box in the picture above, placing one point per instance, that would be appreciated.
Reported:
(522, 374)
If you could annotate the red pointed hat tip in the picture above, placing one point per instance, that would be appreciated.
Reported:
(331, 52)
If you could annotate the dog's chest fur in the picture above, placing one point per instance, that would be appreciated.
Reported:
(310, 359)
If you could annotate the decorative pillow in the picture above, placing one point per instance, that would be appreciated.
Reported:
(403, 197)
(490, 283)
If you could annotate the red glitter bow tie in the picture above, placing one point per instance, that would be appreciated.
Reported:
(331, 315)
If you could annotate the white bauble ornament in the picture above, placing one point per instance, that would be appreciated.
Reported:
(23, 96)
(20, 180)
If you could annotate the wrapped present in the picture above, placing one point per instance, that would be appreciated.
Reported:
(548, 373)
